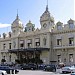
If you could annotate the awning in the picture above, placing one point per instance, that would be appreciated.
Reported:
(28, 49)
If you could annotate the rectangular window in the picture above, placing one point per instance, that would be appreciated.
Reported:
(59, 42)
(21, 43)
(9, 45)
(59, 58)
(4, 46)
(37, 42)
(10, 58)
(3, 57)
(29, 45)
(71, 41)
(70, 57)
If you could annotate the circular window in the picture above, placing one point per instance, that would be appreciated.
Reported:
(44, 25)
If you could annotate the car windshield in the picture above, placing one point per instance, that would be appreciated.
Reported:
(51, 65)
(65, 67)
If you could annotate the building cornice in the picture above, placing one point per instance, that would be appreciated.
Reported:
(64, 31)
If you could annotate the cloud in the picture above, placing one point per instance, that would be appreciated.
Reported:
(4, 25)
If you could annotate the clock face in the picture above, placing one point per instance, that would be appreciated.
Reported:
(45, 25)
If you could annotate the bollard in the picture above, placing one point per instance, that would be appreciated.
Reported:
(14, 72)
(10, 72)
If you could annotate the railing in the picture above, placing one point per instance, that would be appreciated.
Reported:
(21, 47)
(4, 51)
(64, 46)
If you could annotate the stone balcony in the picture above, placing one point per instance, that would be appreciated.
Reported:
(64, 46)
(2, 51)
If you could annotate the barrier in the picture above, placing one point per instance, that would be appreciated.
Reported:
(12, 72)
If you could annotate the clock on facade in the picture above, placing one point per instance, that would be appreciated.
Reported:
(44, 25)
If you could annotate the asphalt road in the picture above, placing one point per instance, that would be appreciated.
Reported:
(36, 72)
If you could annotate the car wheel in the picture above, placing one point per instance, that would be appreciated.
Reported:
(63, 72)
(44, 69)
(32, 68)
(21, 68)
(53, 70)
(2, 73)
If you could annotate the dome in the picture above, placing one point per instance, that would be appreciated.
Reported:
(46, 15)
(17, 22)
(29, 23)
(59, 23)
(70, 21)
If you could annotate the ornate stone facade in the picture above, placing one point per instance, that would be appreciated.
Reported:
(52, 43)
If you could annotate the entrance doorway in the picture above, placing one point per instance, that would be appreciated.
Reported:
(30, 57)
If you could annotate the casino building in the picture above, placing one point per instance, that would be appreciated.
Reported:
(51, 44)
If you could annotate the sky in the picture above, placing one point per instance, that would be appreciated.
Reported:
(62, 10)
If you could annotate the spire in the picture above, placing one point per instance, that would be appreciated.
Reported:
(17, 17)
(47, 6)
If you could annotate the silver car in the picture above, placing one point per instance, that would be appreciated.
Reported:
(2, 72)
(68, 69)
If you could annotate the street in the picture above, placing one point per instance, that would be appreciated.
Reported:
(36, 72)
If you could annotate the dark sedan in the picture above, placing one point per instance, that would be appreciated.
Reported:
(51, 68)
(41, 66)
(29, 66)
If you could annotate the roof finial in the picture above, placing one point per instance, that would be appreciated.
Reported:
(29, 21)
(17, 17)
(47, 2)
(47, 6)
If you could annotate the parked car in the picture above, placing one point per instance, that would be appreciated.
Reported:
(68, 69)
(18, 66)
(30, 66)
(9, 69)
(58, 69)
(41, 66)
(2, 72)
(72, 73)
(51, 68)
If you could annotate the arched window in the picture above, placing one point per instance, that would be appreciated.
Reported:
(59, 27)
(71, 25)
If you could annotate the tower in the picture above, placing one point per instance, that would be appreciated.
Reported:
(17, 26)
(46, 20)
